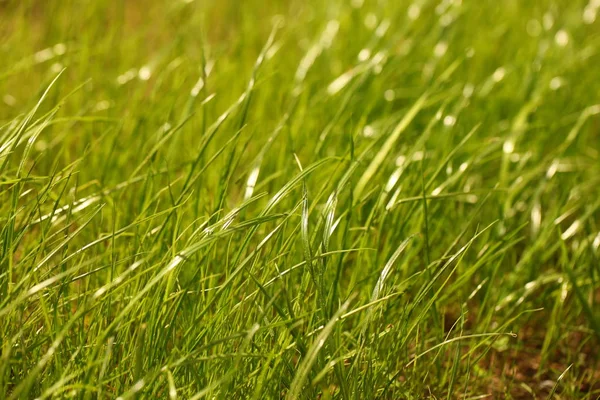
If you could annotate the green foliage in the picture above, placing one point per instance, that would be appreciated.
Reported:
(270, 199)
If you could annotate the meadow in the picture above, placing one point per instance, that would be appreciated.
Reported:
(299, 199)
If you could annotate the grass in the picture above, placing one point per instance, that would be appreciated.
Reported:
(299, 199)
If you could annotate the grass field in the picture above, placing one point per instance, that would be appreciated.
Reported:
(320, 199)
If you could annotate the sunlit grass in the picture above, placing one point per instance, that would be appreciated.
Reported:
(289, 199)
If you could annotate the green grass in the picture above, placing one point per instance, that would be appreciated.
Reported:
(267, 199)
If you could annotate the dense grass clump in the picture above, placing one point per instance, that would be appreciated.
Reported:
(295, 199)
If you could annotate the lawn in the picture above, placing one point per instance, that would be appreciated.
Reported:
(299, 199)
